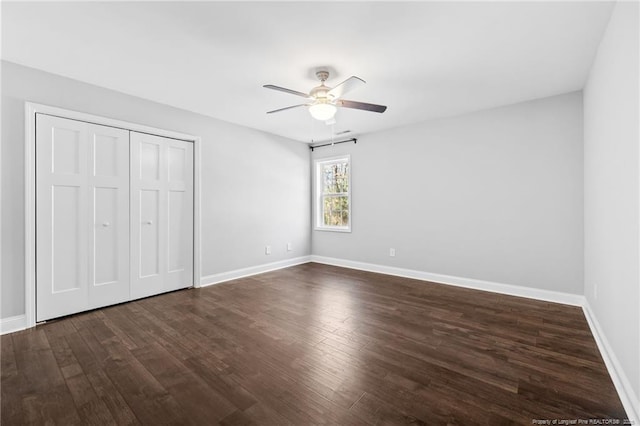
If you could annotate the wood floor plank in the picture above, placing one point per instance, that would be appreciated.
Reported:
(111, 398)
(90, 408)
(11, 381)
(310, 344)
(203, 403)
(44, 395)
(149, 401)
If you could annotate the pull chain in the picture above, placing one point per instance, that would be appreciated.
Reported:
(333, 132)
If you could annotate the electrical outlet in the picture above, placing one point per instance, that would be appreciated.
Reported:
(392, 252)
(267, 249)
(289, 246)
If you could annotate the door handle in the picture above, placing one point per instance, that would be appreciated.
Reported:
(105, 224)
(149, 222)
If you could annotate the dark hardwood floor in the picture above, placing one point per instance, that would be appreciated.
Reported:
(312, 344)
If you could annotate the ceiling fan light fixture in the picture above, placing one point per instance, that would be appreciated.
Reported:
(323, 100)
(322, 111)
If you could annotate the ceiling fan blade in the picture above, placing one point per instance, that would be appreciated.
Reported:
(285, 108)
(346, 86)
(284, 89)
(361, 105)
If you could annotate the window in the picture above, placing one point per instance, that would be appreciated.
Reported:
(333, 194)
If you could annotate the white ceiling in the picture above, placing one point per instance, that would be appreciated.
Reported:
(421, 59)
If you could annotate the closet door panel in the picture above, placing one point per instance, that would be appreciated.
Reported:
(82, 220)
(67, 236)
(65, 140)
(109, 244)
(149, 233)
(105, 236)
(176, 256)
(107, 155)
(61, 222)
(148, 195)
(150, 160)
(180, 214)
(161, 214)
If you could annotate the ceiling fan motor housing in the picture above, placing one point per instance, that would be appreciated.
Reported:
(320, 93)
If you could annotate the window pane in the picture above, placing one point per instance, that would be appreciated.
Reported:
(329, 211)
(342, 184)
(345, 217)
(332, 218)
(326, 210)
(328, 179)
(335, 203)
(335, 211)
(342, 203)
(335, 178)
(340, 171)
(337, 218)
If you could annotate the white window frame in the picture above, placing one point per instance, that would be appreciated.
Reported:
(318, 211)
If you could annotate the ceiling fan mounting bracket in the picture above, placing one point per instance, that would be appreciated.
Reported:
(322, 75)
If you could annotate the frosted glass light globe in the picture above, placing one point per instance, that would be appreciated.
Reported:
(322, 111)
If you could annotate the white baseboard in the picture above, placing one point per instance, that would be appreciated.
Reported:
(252, 270)
(630, 400)
(11, 324)
(509, 289)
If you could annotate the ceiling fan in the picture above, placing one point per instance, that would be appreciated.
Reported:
(323, 100)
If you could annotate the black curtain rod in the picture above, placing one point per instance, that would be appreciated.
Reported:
(354, 140)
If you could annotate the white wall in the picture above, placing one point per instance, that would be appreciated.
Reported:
(255, 186)
(611, 173)
(494, 195)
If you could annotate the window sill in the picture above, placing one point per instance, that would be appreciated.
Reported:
(347, 230)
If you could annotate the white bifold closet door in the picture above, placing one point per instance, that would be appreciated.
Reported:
(161, 214)
(82, 216)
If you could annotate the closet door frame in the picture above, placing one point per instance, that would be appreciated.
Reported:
(31, 109)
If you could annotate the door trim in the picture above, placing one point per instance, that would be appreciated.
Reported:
(31, 109)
